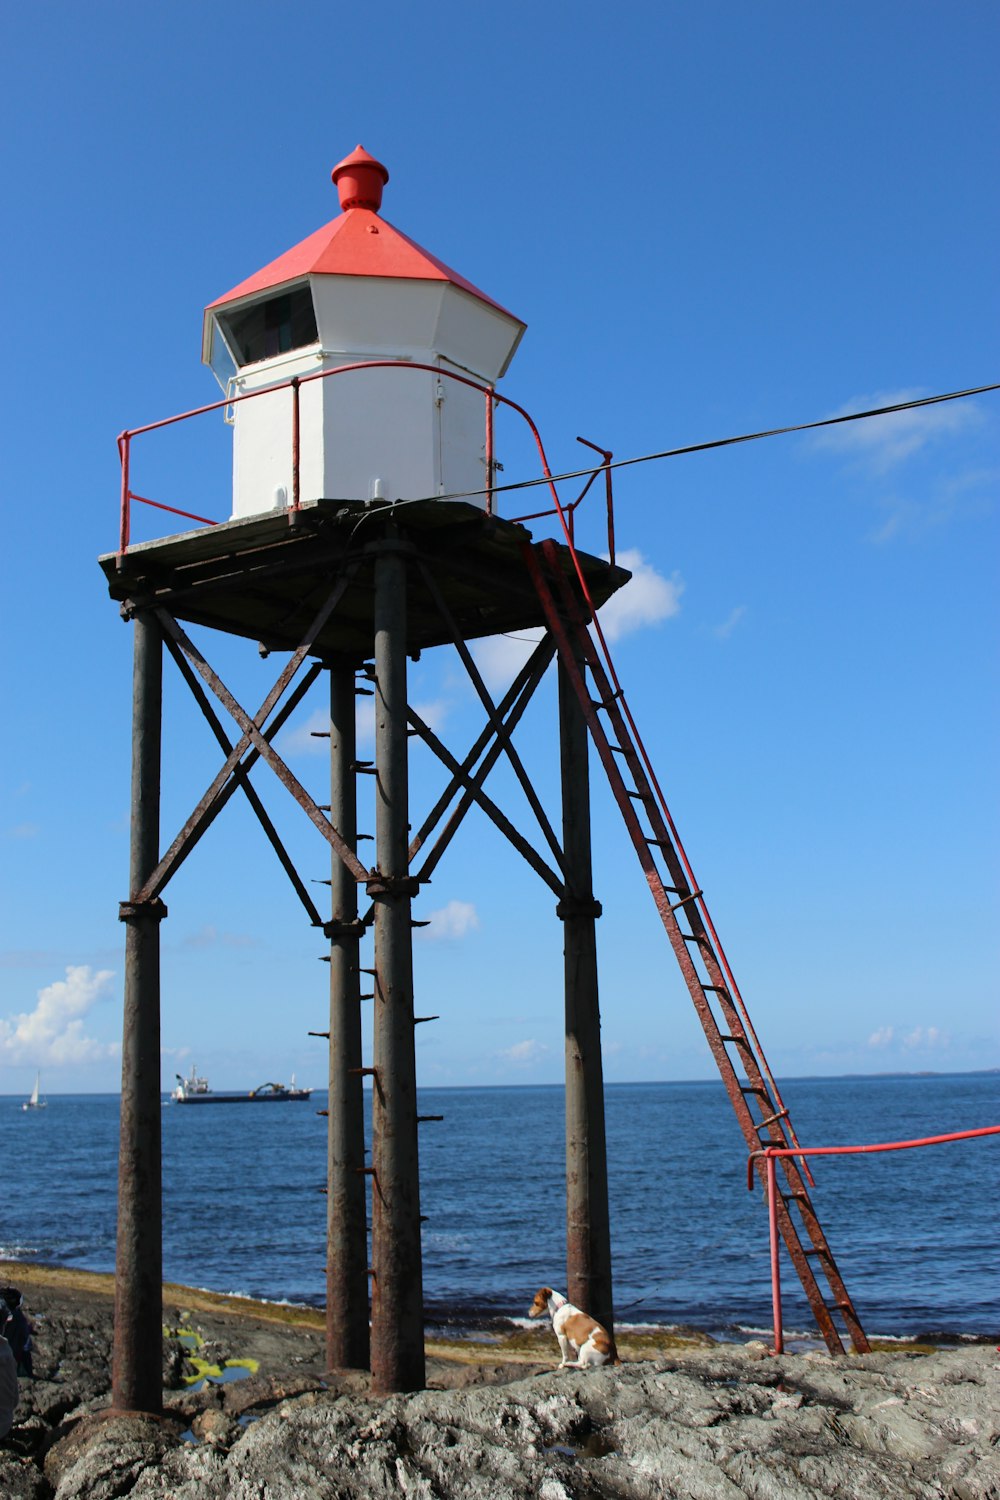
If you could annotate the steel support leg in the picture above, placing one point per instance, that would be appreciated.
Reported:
(137, 1379)
(588, 1233)
(346, 1208)
(397, 1287)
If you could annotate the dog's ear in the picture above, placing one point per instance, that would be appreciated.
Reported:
(541, 1302)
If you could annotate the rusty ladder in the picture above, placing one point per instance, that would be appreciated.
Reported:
(731, 1037)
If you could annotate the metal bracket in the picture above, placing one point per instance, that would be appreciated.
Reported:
(392, 885)
(133, 911)
(571, 906)
(354, 928)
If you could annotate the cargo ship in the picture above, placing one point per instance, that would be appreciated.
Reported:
(196, 1090)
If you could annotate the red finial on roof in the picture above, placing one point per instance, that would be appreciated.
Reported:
(359, 180)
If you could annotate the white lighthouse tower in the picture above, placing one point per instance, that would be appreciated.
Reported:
(355, 291)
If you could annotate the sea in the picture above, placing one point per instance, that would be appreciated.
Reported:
(914, 1232)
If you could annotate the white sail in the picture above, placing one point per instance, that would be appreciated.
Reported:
(35, 1102)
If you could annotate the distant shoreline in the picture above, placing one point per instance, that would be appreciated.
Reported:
(636, 1339)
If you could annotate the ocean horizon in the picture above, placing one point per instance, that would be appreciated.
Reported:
(20, 1094)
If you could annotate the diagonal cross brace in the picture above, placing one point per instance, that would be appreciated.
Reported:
(241, 778)
(513, 705)
(197, 826)
(499, 728)
(251, 735)
(506, 827)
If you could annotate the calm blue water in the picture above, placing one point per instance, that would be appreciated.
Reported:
(914, 1232)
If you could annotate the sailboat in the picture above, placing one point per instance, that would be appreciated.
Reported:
(34, 1102)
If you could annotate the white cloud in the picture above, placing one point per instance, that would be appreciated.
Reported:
(450, 922)
(434, 712)
(524, 1054)
(301, 740)
(925, 1039)
(500, 657)
(880, 443)
(53, 1033)
(969, 494)
(920, 1039)
(724, 631)
(646, 600)
(310, 737)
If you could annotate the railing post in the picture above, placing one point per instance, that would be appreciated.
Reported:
(772, 1220)
(489, 452)
(295, 443)
(124, 530)
(611, 509)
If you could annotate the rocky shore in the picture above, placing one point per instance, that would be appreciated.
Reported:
(251, 1413)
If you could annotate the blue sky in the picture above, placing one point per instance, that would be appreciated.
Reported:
(713, 218)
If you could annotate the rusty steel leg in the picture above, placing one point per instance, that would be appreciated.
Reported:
(588, 1232)
(346, 1209)
(137, 1379)
(397, 1285)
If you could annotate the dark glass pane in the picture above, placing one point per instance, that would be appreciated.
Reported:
(272, 327)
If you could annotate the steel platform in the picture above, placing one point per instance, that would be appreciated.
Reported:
(263, 577)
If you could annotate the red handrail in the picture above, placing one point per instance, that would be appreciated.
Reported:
(771, 1154)
(492, 396)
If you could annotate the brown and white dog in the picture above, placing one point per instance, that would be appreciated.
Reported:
(577, 1332)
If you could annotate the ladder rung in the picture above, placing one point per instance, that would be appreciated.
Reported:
(717, 989)
(781, 1114)
(814, 1251)
(616, 749)
(691, 937)
(685, 900)
(637, 796)
(754, 1088)
(740, 1041)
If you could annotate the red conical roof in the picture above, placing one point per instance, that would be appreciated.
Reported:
(358, 243)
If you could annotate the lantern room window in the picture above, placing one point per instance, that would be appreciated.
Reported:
(271, 327)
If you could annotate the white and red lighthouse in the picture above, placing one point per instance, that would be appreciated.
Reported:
(358, 290)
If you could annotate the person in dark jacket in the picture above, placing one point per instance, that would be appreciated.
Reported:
(8, 1387)
(16, 1329)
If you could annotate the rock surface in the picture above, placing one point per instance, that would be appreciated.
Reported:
(713, 1423)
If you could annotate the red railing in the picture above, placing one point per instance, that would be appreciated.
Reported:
(493, 398)
(770, 1154)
